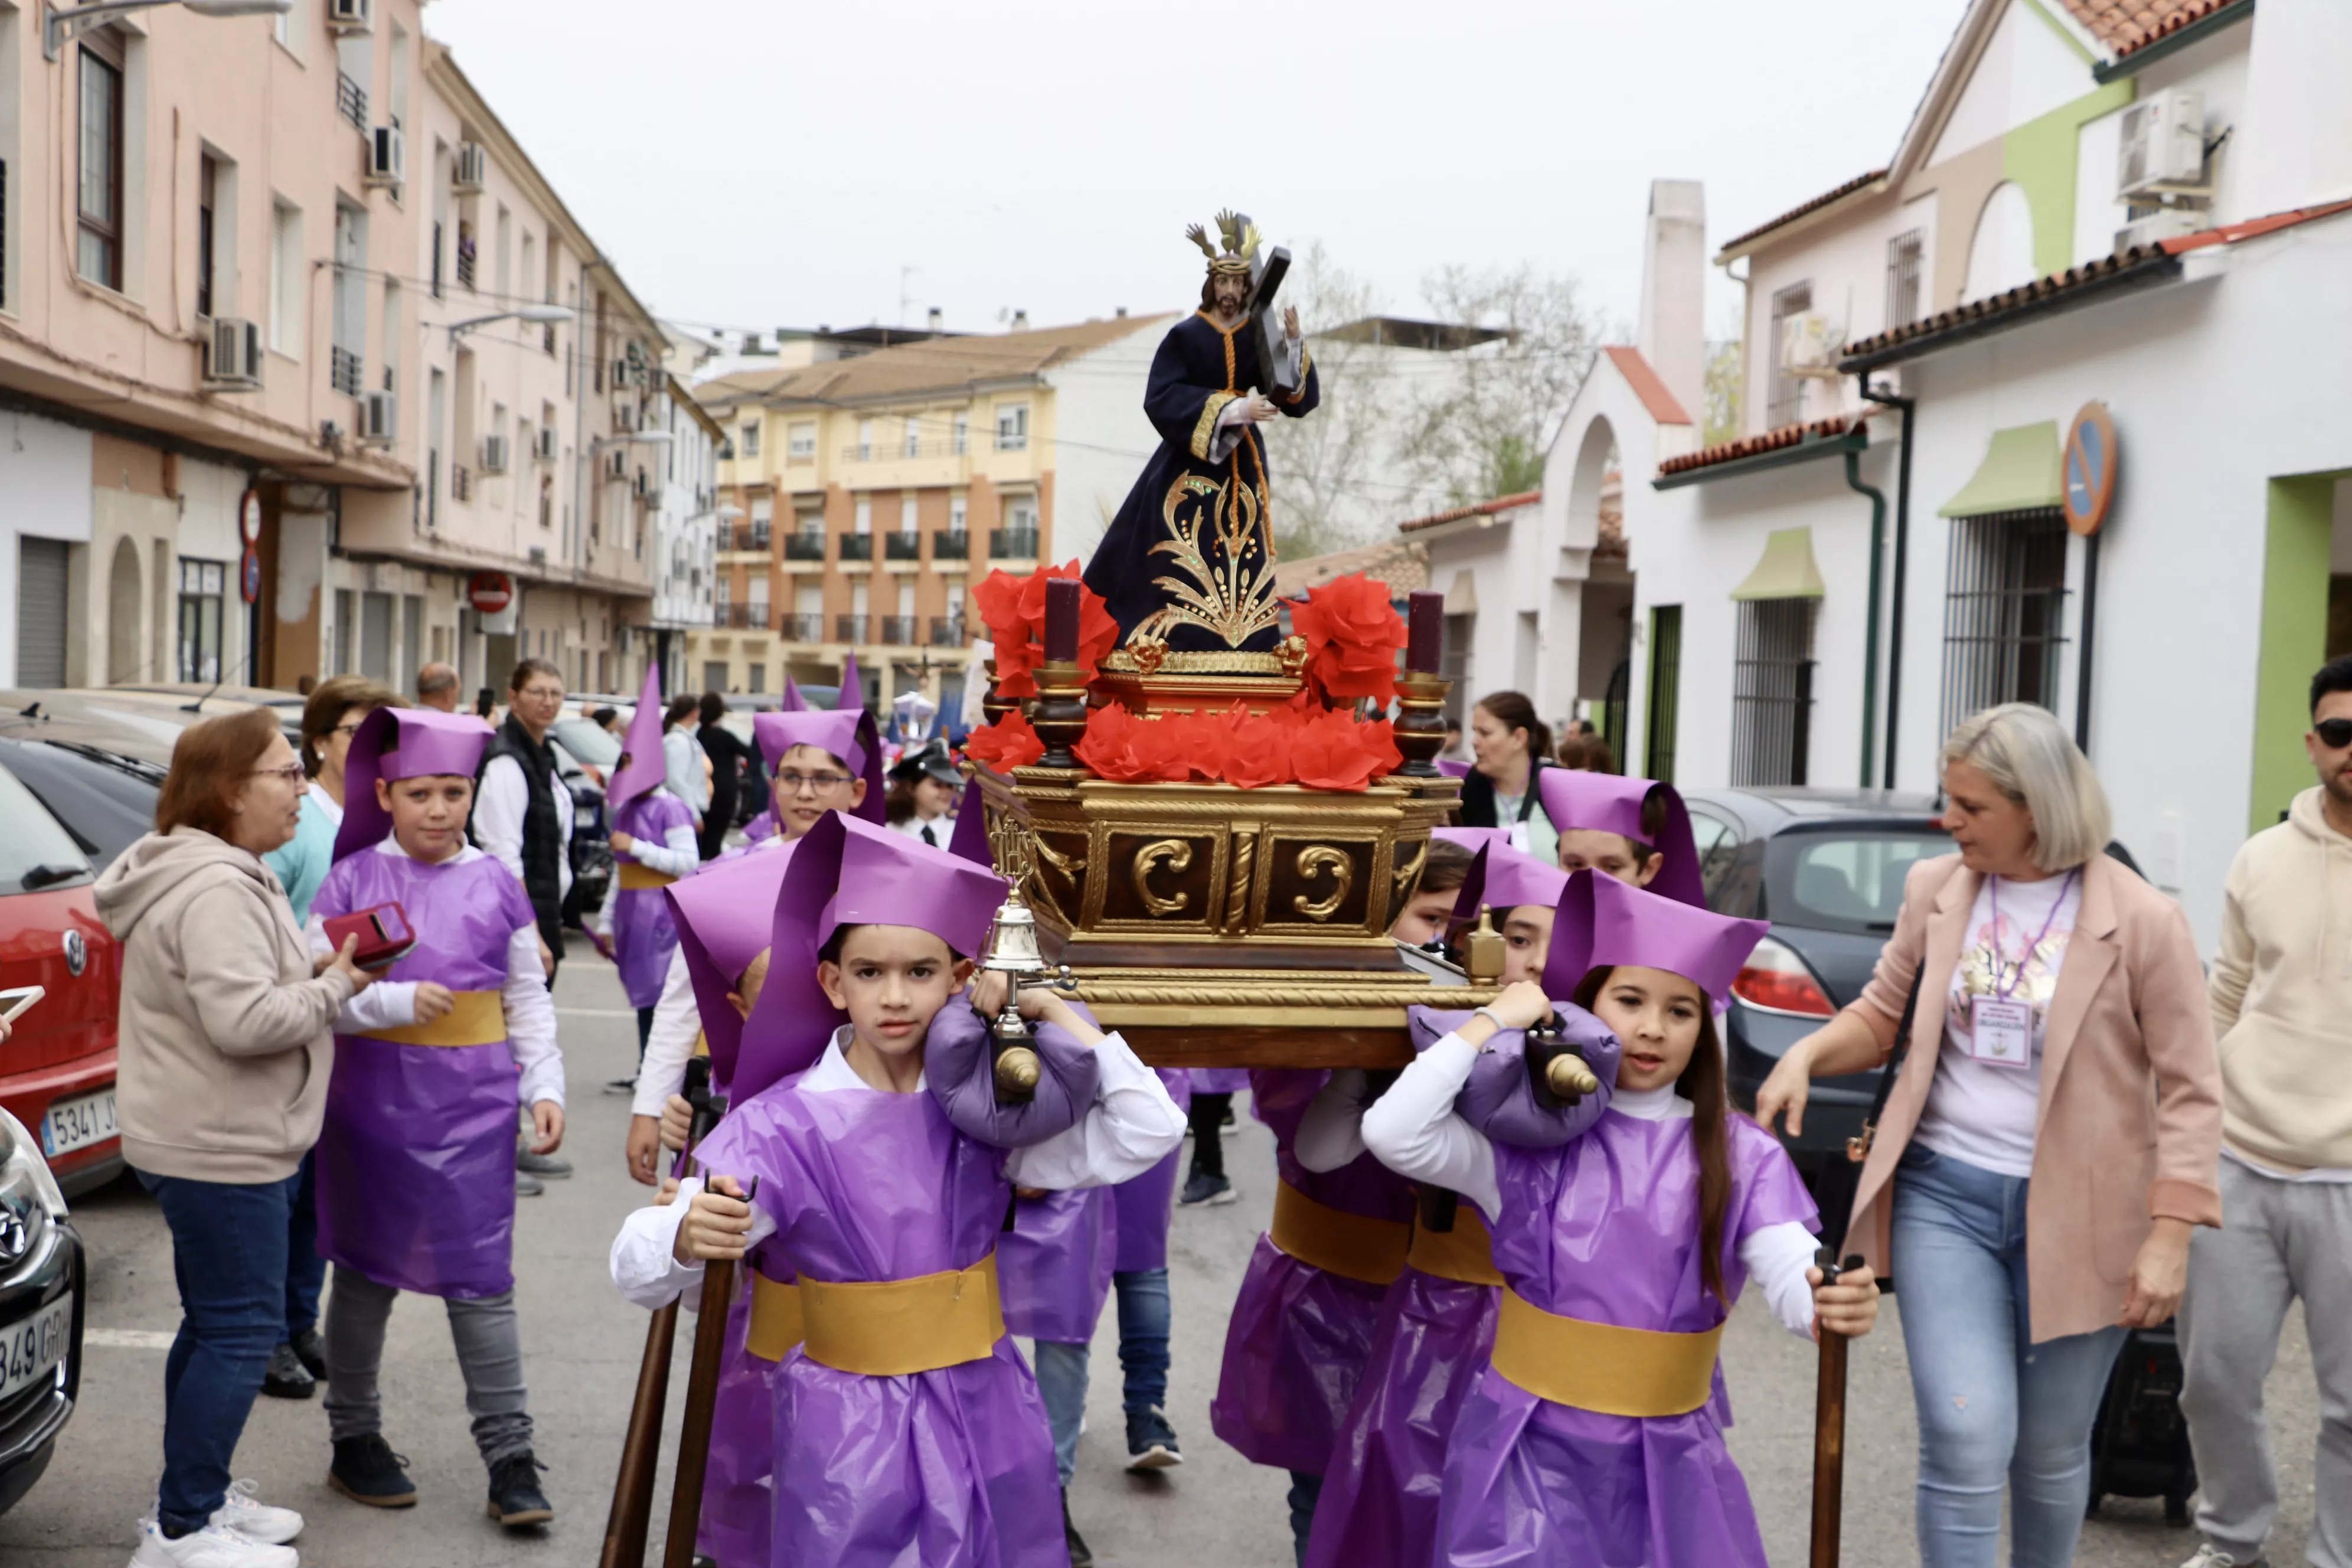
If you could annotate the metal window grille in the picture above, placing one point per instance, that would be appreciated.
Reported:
(1665, 688)
(351, 100)
(2005, 611)
(1906, 271)
(1772, 693)
(1786, 398)
(345, 371)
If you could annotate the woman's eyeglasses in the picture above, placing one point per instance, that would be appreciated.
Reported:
(292, 772)
(2334, 733)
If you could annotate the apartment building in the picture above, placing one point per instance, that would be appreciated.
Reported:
(874, 490)
(284, 372)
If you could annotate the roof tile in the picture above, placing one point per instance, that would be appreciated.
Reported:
(1755, 446)
(1482, 509)
(2126, 26)
(1802, 208)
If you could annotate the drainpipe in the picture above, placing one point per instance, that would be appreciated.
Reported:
(1902, 560)
(1870, 636)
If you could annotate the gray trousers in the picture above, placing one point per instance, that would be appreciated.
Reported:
(488, 1339)
(2279, 1240)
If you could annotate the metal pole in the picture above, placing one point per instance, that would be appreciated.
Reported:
(1909, 406)
(1870, 634)
(2082, 660)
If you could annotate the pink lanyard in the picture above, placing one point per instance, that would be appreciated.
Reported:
(2001, 966)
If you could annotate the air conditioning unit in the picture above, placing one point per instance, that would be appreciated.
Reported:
(617, 465)
(472, 169)
(379, 419)
(1808, 346)
(351, 15)
(2165, 223)
(387, 161)
(2161, 148)
(539, 555)
(494, 454)
(233, 356)
(547, 444)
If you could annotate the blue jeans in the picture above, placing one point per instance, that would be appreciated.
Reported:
(1995, 1409)
(228, 1255)
(1305, 1491)
(1062, 1383)
(1143, 1316)
(306, 1271)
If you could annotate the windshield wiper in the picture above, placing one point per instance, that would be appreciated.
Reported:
(50, 874)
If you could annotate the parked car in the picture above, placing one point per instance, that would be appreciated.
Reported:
(157, 715)
(43, 1287)
(1826, 869)
(592, 853)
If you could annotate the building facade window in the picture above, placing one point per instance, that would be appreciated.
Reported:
(865, 441)
(208, 190)
(287, 280)
(203, 587)
(1785, 396)
(912, 444)
(1772, 693)
(802, 446)
(1666, 689)
(2005, 611)
(1906, 274)
(1012, 426)
(962, 441)
(749, 446)
(98, 252)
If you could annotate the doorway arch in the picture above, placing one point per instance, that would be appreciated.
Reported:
(122, 614)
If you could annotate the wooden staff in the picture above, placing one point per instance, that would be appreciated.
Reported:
(1829, 1426)
(701, 1406)
(626, 1526)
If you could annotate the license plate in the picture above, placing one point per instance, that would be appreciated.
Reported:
(30, 1350)
(74, 1124)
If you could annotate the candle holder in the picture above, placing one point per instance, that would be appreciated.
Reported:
(1058, 712)
(995, 705)
(1420, 730)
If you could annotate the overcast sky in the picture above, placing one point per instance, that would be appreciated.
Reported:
(759, 163)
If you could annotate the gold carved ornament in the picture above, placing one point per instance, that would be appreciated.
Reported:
(1238, 887)
(1312, 862)
(1178, 854)
(1232, 600)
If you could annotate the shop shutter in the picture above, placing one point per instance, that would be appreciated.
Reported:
(40, 612)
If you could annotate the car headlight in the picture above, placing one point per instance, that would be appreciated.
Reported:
(24, 1174)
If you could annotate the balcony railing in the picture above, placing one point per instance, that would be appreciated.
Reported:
(1012, 544)
(898, 451)
(753, 616)
(804, 546)
(748, 536)
(344, 371)
(850, 628)
(898, 631)
(351, 100)
(466, 262)
(807, 628)
(720, 609)
(857, 547)
(461, 482)
(906, 545)
(947, 631)
(952, 544)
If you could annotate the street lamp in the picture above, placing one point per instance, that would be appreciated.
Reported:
(60, 23)
(538, 315)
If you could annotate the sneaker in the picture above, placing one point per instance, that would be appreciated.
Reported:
(311, 1352)
(1150, 1441)
(215, 1545)
(1081, 1554)
(515, 1498)
(2211, 1556)
(1231, 1120)
(288, 1378)
(528, 1185)
(621, 1086)
(248, 1515)
(1206, 1191)
(546, 1166)
(366, 1470)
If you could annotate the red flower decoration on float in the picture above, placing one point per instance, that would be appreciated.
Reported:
(1353, 635)
(1013, 610)
(1331, 751)
(1124, 749)
(1258, 755)
(1011, 742)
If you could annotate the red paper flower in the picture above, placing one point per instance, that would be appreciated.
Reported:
(1011, 742)
(1125, 749)
(1014, 609)
(1331, 752)
(1353, 635)
(1258, 751)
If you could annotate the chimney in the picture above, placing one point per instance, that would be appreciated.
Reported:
(1020, 320)
(1672, 333)
(938, 318)
(1120, 313)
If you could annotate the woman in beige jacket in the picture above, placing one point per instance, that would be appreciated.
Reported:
(222, 1086)
(2050, 1142)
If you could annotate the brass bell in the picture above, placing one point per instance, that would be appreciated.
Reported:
(1482, 951)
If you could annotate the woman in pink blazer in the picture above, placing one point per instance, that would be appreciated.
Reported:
(2052, 1136)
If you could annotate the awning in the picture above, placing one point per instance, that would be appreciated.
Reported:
(1787, 569)
(1462, 599)
(2020, 472)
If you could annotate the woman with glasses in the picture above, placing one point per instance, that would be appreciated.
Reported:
(225, 1056)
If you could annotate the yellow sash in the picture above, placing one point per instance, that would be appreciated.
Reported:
(1336, 1242)
(637, 879)
(1602, 1367)
(1465, 1253)
(479, 1018)
(777, 1323)
(892, 1327)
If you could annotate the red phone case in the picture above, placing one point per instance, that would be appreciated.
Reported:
(383, 932)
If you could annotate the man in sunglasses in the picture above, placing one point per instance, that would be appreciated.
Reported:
(2282, 998)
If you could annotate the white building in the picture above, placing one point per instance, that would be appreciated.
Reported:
(686, 527)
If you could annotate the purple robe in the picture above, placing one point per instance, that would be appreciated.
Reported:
(1300, 1337)
(952, 1467)
(1220, 1080)
(1145, 1202)
(1053, 1265)
(416, 1161)
(1606, 1229)
(642, 935)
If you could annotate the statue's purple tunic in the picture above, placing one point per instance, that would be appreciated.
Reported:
(416, 1162)
(644, 936)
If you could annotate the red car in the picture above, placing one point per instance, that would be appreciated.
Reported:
(56, 1070)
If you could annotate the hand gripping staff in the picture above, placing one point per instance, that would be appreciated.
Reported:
(1829, 1425)
(626, 1525)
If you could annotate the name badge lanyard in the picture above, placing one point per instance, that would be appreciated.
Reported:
(2000, 1027)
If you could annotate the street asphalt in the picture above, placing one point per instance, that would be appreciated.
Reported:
(582, 1346)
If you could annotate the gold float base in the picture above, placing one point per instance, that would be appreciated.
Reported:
(1191, 1017)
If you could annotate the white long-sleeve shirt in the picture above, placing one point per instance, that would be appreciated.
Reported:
(529, 1009)
(682, 759)
(1413, 1130)
(1129, 1128)
(670, 1044)
(502, 801)
(677, 855)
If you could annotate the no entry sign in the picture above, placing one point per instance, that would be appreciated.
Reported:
(489, 592)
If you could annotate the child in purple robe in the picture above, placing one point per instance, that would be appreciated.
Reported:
(907, 1427)
(653, 845)
(415, 1164)
(1595, 1434)
(1636, 830)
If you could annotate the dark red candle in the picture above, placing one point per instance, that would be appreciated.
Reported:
(1425, 632)
(1062, 619)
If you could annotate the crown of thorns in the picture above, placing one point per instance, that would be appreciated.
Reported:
(1240, 243)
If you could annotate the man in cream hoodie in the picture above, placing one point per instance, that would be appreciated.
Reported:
(2282, 996)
